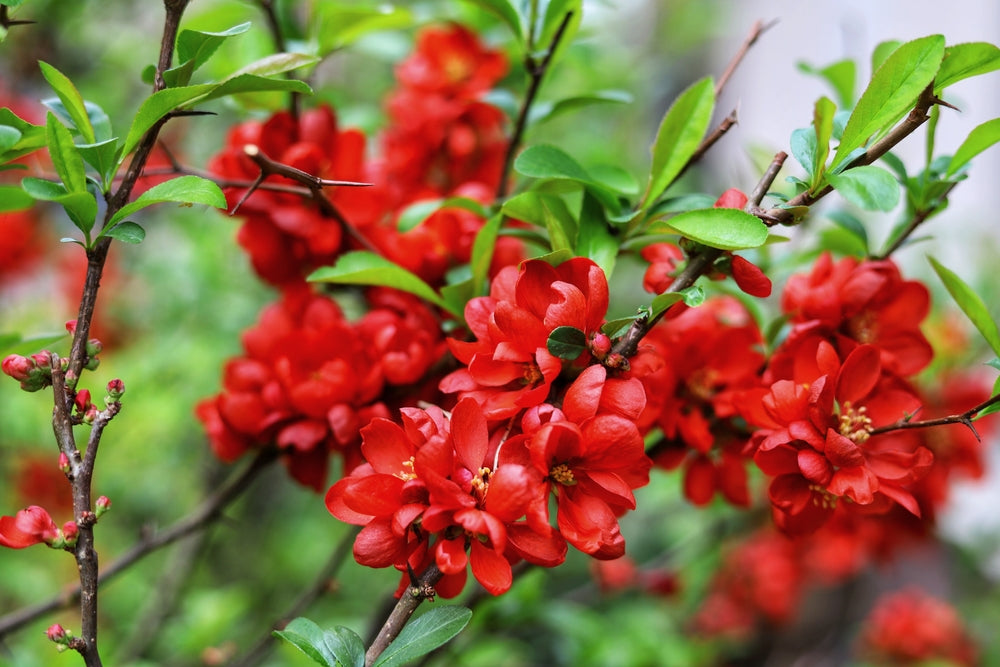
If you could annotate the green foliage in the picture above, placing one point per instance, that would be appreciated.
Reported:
(339, 647)
(566, 342)
(841, 76)
(982, 137)
(962, 61)
(680, 133)
(723, 228)
(335, 25)
(871, 188)
(415, 214)
(971, 304)
(893, 90)
(71, 99)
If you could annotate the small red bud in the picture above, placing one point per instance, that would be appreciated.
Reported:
(90, 416)
(71, 327)
(600, 345)
(82, 400)
(101, 506)
(617, 362)
(70, 533)
(18, 367)
(57, 633)
(64, 463)
(94, 347)
(116, 388)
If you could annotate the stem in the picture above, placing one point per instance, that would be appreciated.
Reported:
(323, 583)
(919, 218)
(536, 72)
(756, 30)
(422, 589)
(210, 510)
(962, 418)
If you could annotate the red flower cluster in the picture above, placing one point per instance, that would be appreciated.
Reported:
(310, 379)
(694, 368)
(910, 627)
(839, 375)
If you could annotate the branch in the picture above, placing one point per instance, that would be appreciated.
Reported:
(919, 218)
(323, 583)
(536, 72)
(422, 589)
(758, 29)
(962, 418)
(210, 510)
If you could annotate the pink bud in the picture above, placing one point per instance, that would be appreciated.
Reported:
(64, 463)
(56, 633)
(90, 416)
(71, 327)
(94, 347)
(70, 532)
(43, 358)
(600, 345)
(18, 367)
(115, 389)
(82, 400)
(102, 505)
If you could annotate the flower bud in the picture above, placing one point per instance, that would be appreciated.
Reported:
(102, 505)
(70, 532)
(617, 362)
(90, 416)
(82, 400)
(71, 327)
(600, 345)
(116, 388)
(94, 347)
(18, 367)
(92, 363)
(58, 634)
(70, 379)
(64, 463)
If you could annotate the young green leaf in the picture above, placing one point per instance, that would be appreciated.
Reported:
(103, 157)
(127, 232)
(421, 636)
(679, 135)
(252, 83)
(962, 61)
(893, 90)
(803, 147)
(196, 47)
(278, 63)
(871, 188)
(723, 228)
(183, 190)
(555, 13)
(982, 137)
(545, 161)
(414, 214)
(970, 303)
(32, 137)
(854, 228)
(65, 158)
(566, 342)
(158, 105)
(544, 111)
(882, 51)
(507, 12)
(308, 637)
(13, 198)
(594, 238)
(482, 250)
(9, 136)
(823, 113)
(335, 25)
(361, 267)
(71, 99)
(662, 302)
(841, 76)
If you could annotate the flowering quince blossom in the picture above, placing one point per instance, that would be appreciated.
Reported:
(694, 367)
(447, 480)
(508, 367)
(310, 379)
(33, 525)
(910, 627)
(818, 444)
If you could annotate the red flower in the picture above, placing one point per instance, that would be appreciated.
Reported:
(32, 525)
(509, 367)
(910, 627)
(451, 61)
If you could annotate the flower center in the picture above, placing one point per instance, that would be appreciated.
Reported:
(481, 484)
(855, 424)
(863, 327)
(407, 473)
(822, 498)
(562, 475)
(532, 374)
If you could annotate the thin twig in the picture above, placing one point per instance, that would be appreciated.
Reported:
(536, 72)
(209, 510)
(321, 585)
(962, 418)
(919, 218)
(756, 30)
(422, 589)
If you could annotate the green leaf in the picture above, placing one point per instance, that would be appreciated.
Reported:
(970, 303)
(421, 636)
(893, 90)
(158, 105)
(882, 51)
(981, 138)
(962, 61)
(361, 267)
(617, 327)
(194, 48)
(803, 146)
(81, 207)
(71, 99)
(594, 238)
(309, 638)
(854, 227)
(555, 12)
(183, 190)
(544, 111)
(615, 178)
(32, 136)
(13, 198)
(482, 250)
(126, 231)
(277, 63)
(548, 211)
(871, 188)
(12, 343)
(506, 12)
(823, 113)
(65, 158)
(334, 25)
(679, 135)
(544, 161)
(42, 189)
(693, 296)
(103, 157)
(662, 302)
(9, 136)
(414, 214)
(841, 76)
(724, 228)
(566, 343)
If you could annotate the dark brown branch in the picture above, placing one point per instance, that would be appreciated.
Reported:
(210, 510)
(422, 589)
(758, 29)
(919, 218)
(7, 22)
(536, 72)
(963, 418)
(323, 583)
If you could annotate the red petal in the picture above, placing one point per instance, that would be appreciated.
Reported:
(470, 434)
(450, 556)
(750, 278)
(699, 481)
(547, 551)
(490, 569)
(859, 374)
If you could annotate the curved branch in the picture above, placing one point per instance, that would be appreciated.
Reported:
(962, 418)
(422, 589)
